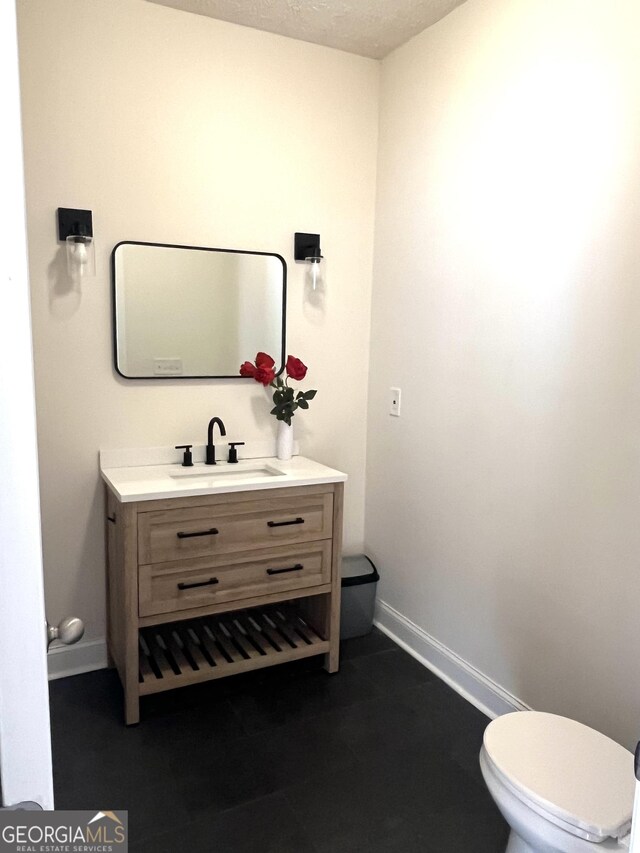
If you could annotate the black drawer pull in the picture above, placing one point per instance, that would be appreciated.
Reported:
(210, 582)
(285, 523)
(212, 532)
(112, 518)
(295, 568)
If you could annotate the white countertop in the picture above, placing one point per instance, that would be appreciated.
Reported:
(153, 482)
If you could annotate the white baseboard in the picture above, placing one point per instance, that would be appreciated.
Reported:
(477, 688)
(85, 656)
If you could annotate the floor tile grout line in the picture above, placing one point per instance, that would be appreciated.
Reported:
(298, 817)
(314, 714)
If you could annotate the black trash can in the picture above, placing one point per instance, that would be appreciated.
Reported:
(359, 584)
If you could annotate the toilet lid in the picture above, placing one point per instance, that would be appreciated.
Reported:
(565, 771)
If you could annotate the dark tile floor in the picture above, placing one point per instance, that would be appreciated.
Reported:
(380, 757)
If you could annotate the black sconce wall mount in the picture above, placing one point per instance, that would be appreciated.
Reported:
(306, 246)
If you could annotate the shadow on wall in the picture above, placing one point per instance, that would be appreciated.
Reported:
(87, 569)
(562, 616)
(545, 326)
(65, 295)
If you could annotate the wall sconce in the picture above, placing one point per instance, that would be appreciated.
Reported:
(75, 228)
(307, 248)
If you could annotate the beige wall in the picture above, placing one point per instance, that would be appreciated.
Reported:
(504, 503)
(180, 129)
(502, 506)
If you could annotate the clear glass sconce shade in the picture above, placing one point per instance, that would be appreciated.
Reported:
(81, 258)
(315, 274)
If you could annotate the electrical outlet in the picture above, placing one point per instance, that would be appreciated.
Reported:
(394, 402)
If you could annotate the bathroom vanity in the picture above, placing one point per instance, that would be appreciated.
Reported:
(218, 570)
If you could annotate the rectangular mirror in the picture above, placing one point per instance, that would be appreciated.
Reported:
(191, 312)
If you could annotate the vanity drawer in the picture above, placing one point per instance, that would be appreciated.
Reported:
(176, 585)
(178, 534)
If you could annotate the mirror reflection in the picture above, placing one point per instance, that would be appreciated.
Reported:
(184, 311)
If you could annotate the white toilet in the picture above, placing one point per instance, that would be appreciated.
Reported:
(561, 786)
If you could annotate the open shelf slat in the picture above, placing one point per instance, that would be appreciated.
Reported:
(225, 644)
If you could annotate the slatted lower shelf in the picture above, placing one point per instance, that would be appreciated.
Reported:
(180, 653)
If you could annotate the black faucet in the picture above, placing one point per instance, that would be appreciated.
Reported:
(211, 450)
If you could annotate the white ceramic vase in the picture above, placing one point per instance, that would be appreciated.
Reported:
(284, 441)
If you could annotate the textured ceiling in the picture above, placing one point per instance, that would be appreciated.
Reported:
(366, 27)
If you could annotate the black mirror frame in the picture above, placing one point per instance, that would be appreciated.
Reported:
(202, 249)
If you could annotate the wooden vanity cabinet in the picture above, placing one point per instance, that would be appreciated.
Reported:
(208, 586)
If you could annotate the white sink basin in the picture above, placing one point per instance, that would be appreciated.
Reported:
(144, 480)
(229, 472)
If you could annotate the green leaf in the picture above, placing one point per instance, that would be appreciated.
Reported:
(309, 395)
(303, 404)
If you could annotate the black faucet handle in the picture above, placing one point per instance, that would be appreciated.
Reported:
(233, 453)
(187, 459)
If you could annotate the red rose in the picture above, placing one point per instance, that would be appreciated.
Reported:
(264, 360)
(262, 371)
(295, 368)
(266, 375)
